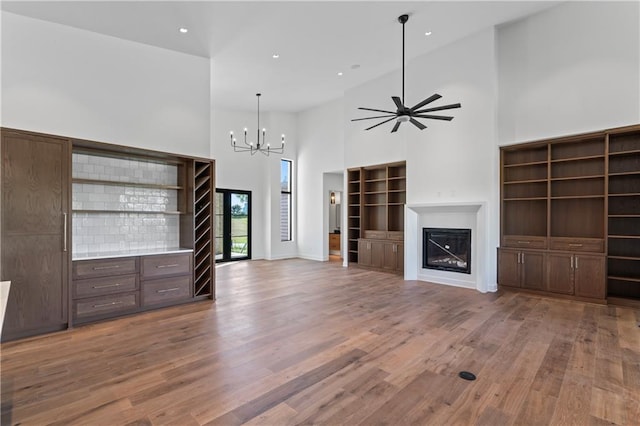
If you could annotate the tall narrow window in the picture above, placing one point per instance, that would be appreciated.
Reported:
(285, 200)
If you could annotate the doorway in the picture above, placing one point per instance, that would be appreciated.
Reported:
(233, 225)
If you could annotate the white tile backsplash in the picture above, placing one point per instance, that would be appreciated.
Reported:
(134, 223)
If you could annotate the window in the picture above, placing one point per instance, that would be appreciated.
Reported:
(285, 200)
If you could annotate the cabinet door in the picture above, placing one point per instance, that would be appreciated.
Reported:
(35, 244)
(589, 276)
(400, 257)
(560, 273)
(377, 254)
(533, 267)
(509, 267)
(390, 256)
(364, 253)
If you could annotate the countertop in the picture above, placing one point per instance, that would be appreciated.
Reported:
(129, 253)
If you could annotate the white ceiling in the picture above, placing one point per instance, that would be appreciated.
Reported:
(315, 40)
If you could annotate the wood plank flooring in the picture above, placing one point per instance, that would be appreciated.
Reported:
(302, 342)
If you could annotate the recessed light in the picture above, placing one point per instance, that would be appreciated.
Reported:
(428, 33)
(184, 30)
(340, 74)
(275, 56)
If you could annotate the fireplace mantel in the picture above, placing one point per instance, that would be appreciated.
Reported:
(472, 215)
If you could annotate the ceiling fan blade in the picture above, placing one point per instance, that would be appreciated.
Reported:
(395, 127)
(440, 108)
(434, 117)
(371, 118)
(430, 99)
(418, 124)
(398, 102)
(382, 122)
(377, 110)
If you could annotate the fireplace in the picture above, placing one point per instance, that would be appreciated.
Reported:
(447, 249)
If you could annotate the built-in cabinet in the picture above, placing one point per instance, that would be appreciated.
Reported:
(376, 198)
(35, 244)
(570, 214)
(58, 252)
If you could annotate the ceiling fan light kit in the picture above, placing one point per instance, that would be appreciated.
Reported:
(403, 113)
(261, 145)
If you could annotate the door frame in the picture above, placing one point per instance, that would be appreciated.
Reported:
(226, 231)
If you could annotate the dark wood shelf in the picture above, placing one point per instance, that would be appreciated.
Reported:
(629, 152)
(515, 182)
(525, 199)
(128, 211)
(586, 157)
(576, 178)
(631, 279)
(129, 184)
(624, 215)
(623, 257)
(634, 173)
(628, 194)
(531, 163)
(575, 197)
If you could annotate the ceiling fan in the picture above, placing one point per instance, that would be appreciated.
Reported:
(403, 113)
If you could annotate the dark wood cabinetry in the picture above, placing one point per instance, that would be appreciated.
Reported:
(102, 288)
(35, 232)
(48, 293)
(521, 269)
(574, 200)
(376, 199)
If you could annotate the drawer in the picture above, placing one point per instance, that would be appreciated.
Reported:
(396, 235)
(592, 245)
(524, 242)
(166, 289)
(104, 285)
(376, 235)
(105, 305)
(165, 265)
(105, 267)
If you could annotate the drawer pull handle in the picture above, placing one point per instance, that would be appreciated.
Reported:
(107, 286)
(524, 242)
(102, 305)
(99, 268)
(173, 265)
(575, 245)
(165, 290)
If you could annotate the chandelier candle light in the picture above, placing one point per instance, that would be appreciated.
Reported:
(261, 146)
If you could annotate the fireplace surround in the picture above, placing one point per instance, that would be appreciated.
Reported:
(452, 214)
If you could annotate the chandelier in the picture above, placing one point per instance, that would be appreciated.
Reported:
(260, 145)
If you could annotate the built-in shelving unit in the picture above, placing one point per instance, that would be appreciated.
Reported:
(353, 212)
(376, 199)
(204, 229)
(567, 205)
(623, 244)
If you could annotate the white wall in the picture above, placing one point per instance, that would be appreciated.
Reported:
(258, 174)
(570, 69)
(452, 161)
(320, 150)
(65, 81)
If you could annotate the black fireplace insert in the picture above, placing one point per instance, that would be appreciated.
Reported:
(447, 249)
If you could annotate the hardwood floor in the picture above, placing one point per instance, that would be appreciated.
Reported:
(302, 342)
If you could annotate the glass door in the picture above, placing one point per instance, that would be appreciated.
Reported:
(233, 225)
